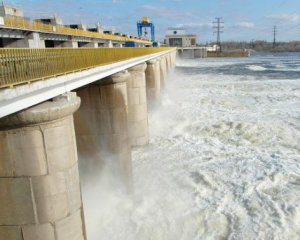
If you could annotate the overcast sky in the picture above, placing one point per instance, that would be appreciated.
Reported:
(244, 19)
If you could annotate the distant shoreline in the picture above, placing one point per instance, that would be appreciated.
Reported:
(262, 46)
(274, 51)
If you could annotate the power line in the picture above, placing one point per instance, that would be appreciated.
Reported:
(218, 26)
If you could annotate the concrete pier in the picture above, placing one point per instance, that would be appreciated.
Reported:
(70, 44)
(200, 53)
(40, 196)
(153, 82)
(137, 106)
(192, 52)
(169, 61)
(173, 58)
(102, 127)
(89, 45)
(31, 40)
(163, 72)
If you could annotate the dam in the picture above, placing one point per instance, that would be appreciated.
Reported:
(108, 136)
(102, 105)
(84, 101)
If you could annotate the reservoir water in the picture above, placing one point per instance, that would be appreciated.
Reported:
(223, 161)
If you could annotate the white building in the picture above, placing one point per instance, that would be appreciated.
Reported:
(176, 37)
(212, 48)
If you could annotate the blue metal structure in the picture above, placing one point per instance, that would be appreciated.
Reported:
(131, 44)
(145, 23)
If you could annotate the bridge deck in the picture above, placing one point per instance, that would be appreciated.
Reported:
(18, 66)
(35, 26)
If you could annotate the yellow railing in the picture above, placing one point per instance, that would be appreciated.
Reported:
(12, 22)
(19, 66)
(25, 24)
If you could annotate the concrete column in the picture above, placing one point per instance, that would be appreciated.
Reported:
(169, 62)
(205, 52)
(102, 128)
(90, 45)
(34, 41)
(173, 57)
(166, 64)
(153, 82)
(163, 72)
(188, 53)
(31, 41)
(70, 44)
(40, 197)
(137, 106)
(109, 44)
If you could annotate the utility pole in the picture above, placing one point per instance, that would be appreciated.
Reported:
(274, 36)
(218, 26)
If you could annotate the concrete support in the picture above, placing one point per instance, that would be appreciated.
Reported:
(31, 41)
(70, 44)
(200, 53)
(90, 45)
(205, 53)
(102, 127)
(169, 62)
(137, 106)
(163, 72)
(188, 53)
(153, 82)
(166, 64)
(40, 197)
(34, 41)
(173, 58)
(109, 44)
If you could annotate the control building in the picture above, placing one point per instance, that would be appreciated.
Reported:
(176, 37)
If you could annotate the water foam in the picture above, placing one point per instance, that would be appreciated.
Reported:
(256, 68)
(223, 163)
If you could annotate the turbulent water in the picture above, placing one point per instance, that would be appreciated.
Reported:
(223, 161)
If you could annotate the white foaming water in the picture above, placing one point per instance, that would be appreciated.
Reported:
(223, 162)
(256, 68)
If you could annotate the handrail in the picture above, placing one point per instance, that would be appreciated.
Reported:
(24, 65)
(13, 22)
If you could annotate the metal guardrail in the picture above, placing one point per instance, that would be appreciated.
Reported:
(83, 33)
(13, 22)
(18, 66)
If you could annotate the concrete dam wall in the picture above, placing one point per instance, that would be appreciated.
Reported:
(43, 147)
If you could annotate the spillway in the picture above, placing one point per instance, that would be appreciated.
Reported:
(223, 160)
